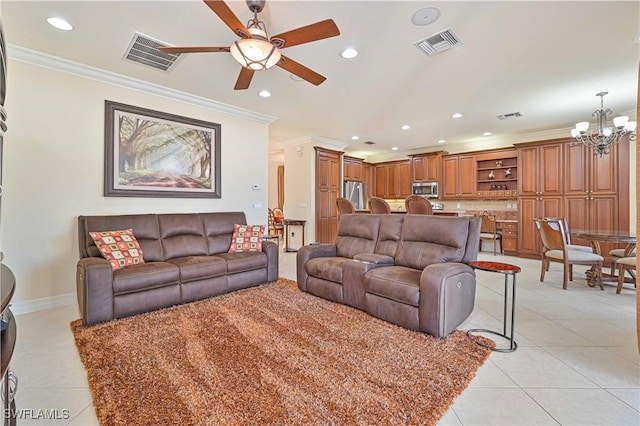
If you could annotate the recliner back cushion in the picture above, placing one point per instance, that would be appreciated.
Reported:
(390, 229)
(426, 240)
(182, 235)
(145, 228)
(357, 233)
(218, 229)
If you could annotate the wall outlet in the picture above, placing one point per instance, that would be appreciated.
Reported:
(458, 206)
(257, 206)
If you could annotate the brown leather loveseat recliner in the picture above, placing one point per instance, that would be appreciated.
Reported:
(410, 270)
(185, 258)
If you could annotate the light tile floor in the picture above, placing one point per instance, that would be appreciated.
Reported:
(577, 361)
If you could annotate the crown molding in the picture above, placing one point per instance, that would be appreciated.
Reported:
(325, 142)
(54, 63)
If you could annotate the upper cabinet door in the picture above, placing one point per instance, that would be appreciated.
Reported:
(528, 171)
(551, 169)
(575, 169)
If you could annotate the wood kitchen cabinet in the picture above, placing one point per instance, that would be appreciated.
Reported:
(540, 189)
(591, 191)
(352, 169)
(427, 167)
(393, 179)
(459, 176)
(558, 179)
(328, 189)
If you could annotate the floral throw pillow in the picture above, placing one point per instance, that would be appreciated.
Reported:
(120, 248)
(246, 238)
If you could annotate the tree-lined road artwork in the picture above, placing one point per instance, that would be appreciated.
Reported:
(163, 155)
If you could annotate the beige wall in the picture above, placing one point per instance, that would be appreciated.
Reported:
(273, 182)
(299, 187)
(53, 171)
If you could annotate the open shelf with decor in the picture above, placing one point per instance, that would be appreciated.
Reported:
(497, 174)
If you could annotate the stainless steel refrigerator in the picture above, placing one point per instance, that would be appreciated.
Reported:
(354, 192)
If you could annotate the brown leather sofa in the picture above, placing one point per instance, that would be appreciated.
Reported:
(410, 270)
(185, 258)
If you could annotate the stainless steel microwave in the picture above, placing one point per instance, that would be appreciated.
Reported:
(426, 189)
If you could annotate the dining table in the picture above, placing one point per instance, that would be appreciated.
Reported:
(595, 274)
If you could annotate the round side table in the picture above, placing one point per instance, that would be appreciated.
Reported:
(507, 270)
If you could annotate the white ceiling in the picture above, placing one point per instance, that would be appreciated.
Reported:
(545, 59)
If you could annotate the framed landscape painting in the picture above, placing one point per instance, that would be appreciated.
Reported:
(154, 154)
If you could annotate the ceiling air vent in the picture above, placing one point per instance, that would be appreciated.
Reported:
(510, 115)
(439, 42)
(144, 50)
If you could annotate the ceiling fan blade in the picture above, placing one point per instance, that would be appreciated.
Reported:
(221, 9)
(244, 79)
(300, 70)
(318, 31)
(193, 49)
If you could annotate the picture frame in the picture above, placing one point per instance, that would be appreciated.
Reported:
(150, 153)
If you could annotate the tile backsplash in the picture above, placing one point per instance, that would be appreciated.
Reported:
(502, 209)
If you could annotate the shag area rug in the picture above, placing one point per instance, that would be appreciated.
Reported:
(271, 355)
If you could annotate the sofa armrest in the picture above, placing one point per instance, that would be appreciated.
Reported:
(94, 285)
(307, 253)
(377, 259)
(271, 250)
(447, 295)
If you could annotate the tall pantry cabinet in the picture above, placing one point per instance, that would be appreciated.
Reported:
(558, 179)
(540, 175)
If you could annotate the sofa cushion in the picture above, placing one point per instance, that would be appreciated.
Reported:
(145, 228)
(357, 233)
(397, 283)
(218, 229)
(195, 268)
(326, 268)
(145, 276)
(182, 234)
(426, 240)
(246, 238)
(390, 229)
(120, 248)
(244, 261)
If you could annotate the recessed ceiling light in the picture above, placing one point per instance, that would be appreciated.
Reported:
(405, 127)
(441, 141)
(395, 148)
(425, 16)
(264, 93)
(349, 53)
(456, 115)
(354, 138)
(60, 24)
(486, 134)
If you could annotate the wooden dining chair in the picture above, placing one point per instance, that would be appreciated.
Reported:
(489, 231)
(274, 228)
(616, 254)
(378, 205)
(555, 249)
(345, 206)
(625, 264)
(415, 204)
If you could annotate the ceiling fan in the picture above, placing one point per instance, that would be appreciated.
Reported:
(256, 51)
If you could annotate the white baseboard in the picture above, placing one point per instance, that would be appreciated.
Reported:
(34, 305)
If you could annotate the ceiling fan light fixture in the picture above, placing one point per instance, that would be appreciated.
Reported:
(255, 54)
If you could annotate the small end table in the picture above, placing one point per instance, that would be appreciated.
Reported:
(507, 270)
